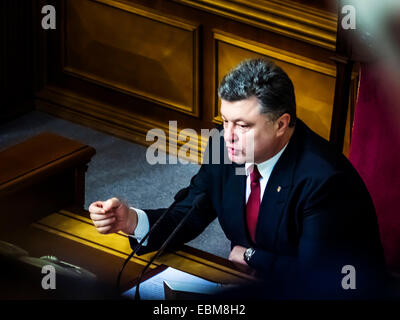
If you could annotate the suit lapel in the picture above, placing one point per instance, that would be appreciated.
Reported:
(277, 192)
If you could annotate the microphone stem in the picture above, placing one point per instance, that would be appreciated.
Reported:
(166, 242)
(181, 194)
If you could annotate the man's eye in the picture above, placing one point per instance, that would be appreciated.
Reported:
(243, 126)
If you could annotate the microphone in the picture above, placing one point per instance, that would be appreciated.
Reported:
(181, 194)
(196, 205)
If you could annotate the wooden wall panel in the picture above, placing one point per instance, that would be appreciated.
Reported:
(314, 82)
(291, 19)
(133, 50)
(127, 66)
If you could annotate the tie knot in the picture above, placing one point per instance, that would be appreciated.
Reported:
(255, 174)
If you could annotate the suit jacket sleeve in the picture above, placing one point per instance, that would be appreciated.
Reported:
(194, 225)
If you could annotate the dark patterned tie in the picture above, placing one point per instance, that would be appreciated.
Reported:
(253, 203)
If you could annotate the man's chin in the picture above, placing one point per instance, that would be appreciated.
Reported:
(237, 159)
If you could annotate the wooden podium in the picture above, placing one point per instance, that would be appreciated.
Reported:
(42, 183)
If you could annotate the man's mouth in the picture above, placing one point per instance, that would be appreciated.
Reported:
(232, 151)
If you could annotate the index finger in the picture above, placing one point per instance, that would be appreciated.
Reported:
(97, 207)
(99, 217)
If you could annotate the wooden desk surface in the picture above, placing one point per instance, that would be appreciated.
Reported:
(70, 236)
(36, 154)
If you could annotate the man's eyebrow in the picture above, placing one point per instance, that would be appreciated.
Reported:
(235, 120)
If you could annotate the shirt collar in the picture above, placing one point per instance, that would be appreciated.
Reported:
(267, 165)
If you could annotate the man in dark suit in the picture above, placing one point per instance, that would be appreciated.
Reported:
(300, 208)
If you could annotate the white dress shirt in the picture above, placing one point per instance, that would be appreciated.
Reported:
(265, 168)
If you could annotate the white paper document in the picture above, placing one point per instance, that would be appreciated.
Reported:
(153, 288)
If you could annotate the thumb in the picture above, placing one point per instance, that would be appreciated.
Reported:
(111, 204)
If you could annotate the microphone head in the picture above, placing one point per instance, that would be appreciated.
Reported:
(181, 194)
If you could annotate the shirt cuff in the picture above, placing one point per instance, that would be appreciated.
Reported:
(143, 226)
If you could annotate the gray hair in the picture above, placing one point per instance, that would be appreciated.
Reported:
(265, 81)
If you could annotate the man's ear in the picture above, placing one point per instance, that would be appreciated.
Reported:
(283, 123)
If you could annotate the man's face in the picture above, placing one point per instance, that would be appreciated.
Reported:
(245, 128)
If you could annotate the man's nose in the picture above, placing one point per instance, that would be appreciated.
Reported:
(230, 135)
